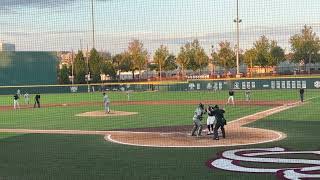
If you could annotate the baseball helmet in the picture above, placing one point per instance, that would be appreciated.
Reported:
(201, 105)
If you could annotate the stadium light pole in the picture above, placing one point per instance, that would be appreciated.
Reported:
(72, 76)
(92, 18)
(88, 73)
(238, 21)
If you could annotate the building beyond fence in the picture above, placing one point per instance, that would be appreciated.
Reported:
(7, 47)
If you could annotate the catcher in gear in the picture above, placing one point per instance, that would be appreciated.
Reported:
(198, 115)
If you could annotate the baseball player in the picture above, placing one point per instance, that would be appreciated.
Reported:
(301, 91)
(211, 120)
(221, 122)
(36, 101)
(18, 92)
(231, 97)
(128, 95)
(26, 98)
(198, 113)
(16, 101)
(106, 102)
(247, 95)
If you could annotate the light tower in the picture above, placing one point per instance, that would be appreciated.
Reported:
(238, 21)
(92, 19)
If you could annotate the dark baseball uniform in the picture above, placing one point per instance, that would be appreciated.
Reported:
(301, 94)
(16, 101)
(37, 101)
(231, 97)
(220, 123)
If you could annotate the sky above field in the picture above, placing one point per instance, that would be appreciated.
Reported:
(46, 25)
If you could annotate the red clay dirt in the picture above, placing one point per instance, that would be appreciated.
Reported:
(162, 102)
(237, 134)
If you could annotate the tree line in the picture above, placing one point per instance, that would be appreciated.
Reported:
(305, 48)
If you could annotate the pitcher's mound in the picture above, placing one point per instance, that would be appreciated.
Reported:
(103, 114)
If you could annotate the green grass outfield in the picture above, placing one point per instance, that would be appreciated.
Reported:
(46, 156)
(165, 95)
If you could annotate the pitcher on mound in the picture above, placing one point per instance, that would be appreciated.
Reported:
(106, 103)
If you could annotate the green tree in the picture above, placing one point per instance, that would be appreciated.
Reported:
(250, 57)
(183, 60)
(225, 56)
(116, 61)
(138, 55)
(95, 65)
(126, 63)
(160, 57)
(108, 69)
(107, 66)
(276, 54)
(105, 55)
(191, 54)
(64, 75)
(262, 47)
(170, 63)
(198, 59)
(267, 53)
(305, 45)
(79, 68)
(201, 58)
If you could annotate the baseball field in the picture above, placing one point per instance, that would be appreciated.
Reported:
(272, 136)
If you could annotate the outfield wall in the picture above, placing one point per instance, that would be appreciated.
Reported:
(194, 85)
(21, 68)
(258, 84)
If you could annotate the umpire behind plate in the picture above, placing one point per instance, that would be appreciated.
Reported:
(198, 113)
(221, 122)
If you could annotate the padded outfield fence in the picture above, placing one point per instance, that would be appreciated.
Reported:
(192, 85)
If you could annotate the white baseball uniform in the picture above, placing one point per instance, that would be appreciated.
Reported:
(211, 120)
(106, 102)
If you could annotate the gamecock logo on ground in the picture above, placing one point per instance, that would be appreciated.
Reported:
(291, 167)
